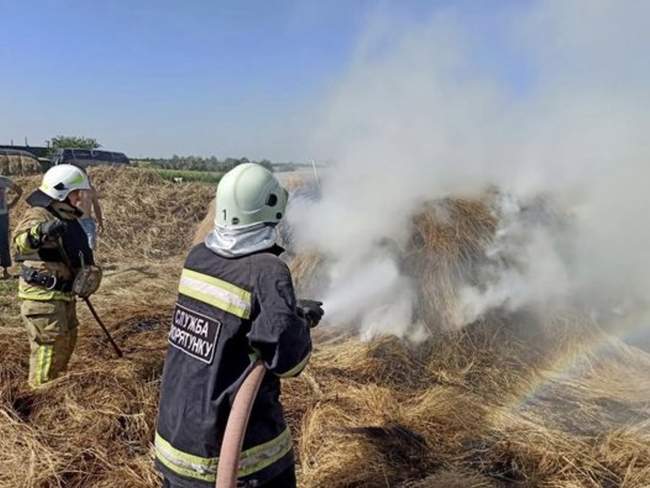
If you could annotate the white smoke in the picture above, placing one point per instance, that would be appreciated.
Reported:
(420, 116)
(524, 267)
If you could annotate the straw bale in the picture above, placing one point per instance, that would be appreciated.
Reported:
(206, 225)
(447, 245)
(18, 164)
(145, 216)
(446, 248)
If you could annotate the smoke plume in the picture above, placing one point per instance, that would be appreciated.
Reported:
(422, 114)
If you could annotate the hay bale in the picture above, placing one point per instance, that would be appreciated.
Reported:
(145, 216)
(309, 273)
(446, 249)
(18, 163)
(141, 223)
(448, 242)
(207, 224)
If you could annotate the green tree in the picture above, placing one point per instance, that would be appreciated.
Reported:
(229, 164)
(73, 142)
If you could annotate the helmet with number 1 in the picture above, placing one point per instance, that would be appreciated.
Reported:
(62, 179)
(249, 194)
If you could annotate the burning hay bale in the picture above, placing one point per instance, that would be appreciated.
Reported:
(446, 248)
(448, 243)
(308, 271)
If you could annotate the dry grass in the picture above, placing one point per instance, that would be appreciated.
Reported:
(512, 401)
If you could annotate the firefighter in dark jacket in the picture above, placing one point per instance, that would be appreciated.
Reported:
(236, 305)
(52, 247)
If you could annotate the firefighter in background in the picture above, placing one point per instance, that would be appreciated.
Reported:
(5, 256)
(236, 304)
(92, 220)
(52, 248)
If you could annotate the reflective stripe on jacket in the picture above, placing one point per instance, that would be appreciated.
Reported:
(229, 313)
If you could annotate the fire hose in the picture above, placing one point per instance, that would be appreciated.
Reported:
(233, 438)
(240, 412)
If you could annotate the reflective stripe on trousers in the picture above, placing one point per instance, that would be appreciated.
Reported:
(43, 364)
(38, 293)
(52, 331)
(252, 460)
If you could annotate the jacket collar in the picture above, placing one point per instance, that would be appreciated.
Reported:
(39, 199)
(61, 210)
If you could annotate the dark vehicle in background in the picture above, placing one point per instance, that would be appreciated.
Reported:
(89, 157)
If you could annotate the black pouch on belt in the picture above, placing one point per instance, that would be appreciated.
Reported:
(45, 280)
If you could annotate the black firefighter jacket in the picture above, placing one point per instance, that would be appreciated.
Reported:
(229, 313)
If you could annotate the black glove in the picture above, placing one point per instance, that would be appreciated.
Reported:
(310, 310)
(52, 229)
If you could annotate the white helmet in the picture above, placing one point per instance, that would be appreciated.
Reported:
(249, 194)
(62, 179)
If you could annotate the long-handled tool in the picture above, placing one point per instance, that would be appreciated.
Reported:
(117, 349)
(66, 260)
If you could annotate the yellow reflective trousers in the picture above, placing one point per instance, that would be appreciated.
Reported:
(52, 329)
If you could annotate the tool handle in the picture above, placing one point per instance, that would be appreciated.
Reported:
(67, 262)
(118, 351)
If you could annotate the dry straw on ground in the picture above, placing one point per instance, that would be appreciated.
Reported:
(511, 401)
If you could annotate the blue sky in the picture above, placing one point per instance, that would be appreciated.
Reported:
(229, 78)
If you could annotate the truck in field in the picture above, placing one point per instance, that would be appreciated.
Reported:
(89, 157)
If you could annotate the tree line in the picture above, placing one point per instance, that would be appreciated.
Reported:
(176, 162)
(198, 163)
